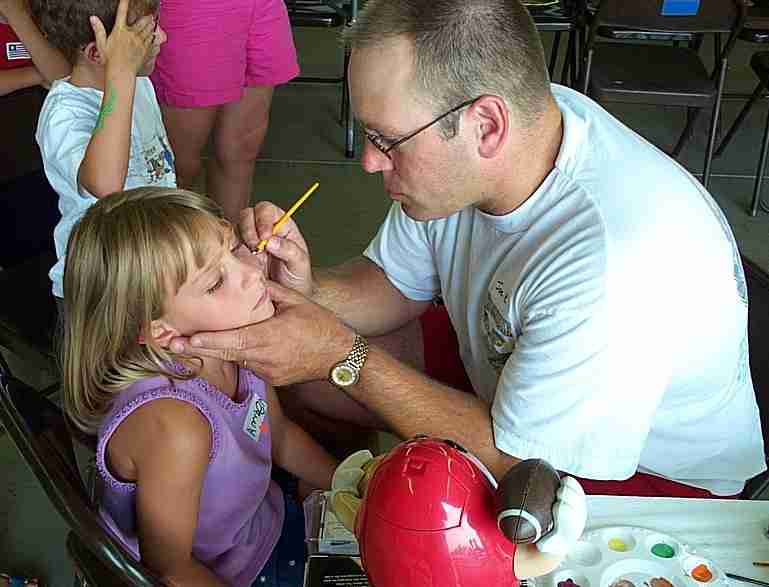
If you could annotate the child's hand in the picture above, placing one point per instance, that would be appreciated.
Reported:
(127, 48)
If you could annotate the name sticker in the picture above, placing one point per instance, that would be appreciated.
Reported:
(255, 422)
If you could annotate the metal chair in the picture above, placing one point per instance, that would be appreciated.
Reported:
(662, 74)
(759, 62)
(42, 435)
(758, 341)
(329, 14)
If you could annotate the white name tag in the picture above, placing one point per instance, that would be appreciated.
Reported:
(255, 419)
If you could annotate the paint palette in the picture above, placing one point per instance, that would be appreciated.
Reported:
(626, 556)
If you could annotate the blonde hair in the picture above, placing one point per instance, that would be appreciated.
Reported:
(124, 257)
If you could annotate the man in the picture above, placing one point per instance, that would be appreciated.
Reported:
(595, 288)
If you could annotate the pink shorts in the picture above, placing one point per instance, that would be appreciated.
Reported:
(216, 48)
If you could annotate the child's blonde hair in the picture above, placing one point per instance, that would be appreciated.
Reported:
(125, 256)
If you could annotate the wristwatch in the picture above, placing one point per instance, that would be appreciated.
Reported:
(347, 372)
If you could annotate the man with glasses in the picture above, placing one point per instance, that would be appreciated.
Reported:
(594, 286)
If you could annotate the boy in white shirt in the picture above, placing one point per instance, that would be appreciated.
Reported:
(101, 130)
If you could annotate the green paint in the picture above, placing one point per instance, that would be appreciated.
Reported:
(107, 107)
(663, 550)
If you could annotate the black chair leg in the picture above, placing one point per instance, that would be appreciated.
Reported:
(568, 71)
(714, 124)
(757, 93)
(554, 53)
(349, 122)
(692, 114)
(760, 173)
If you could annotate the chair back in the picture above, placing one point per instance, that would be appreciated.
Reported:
(713, 16)
(42, 435)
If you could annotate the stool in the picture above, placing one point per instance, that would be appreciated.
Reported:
(759, 62)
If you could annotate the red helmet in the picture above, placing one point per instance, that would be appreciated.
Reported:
(429, 520)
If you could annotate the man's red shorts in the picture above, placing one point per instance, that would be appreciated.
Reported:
(443, 364)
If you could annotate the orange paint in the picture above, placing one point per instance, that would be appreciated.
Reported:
(702, 573)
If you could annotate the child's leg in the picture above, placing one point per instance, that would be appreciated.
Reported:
(238, 137)
(188, 130)
(285, 567)
(240, 129)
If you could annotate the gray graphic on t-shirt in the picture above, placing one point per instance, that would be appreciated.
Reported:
(739, 272)
(499, 334)
(158, 160)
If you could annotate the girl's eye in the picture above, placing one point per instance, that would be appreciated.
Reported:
(219, 282)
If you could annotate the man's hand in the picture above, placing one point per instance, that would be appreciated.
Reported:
(300, 343)
(127, 48)
(289, 255)
(570, 514)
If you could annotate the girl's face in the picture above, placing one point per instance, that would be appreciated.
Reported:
(229, 291)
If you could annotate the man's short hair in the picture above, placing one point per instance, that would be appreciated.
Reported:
(66, 24)
(463, 49)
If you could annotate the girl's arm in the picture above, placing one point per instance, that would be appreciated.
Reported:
(170, 444)
(19, 78)
(48, 60)
(295, 450)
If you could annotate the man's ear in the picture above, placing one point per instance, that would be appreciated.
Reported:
(493, 119)
(91, 53)
(162, 332)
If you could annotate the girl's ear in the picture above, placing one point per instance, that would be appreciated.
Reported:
(162, 332)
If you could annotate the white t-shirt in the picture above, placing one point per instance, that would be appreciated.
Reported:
(66, 124)
(604, 320)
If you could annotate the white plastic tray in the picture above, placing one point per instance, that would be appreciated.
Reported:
(598, 560)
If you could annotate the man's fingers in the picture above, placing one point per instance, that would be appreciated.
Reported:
(229, 342)
(266, 214)
(293, 256)
(283, 295)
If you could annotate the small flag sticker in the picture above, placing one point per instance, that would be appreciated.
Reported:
(16, 50)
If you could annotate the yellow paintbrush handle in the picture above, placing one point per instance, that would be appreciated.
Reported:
(282, 220)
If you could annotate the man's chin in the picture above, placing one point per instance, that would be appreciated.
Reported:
(418, 214)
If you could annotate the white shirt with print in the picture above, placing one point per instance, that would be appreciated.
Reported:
(66, 124)
(604, 320)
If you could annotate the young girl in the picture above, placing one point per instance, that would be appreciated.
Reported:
(185, 445)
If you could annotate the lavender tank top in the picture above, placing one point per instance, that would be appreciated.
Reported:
(241, 508)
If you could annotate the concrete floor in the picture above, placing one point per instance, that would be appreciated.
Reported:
(305, 144)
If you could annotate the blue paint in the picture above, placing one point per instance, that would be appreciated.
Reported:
(680, 7)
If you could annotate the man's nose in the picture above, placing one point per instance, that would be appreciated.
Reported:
(373, 160)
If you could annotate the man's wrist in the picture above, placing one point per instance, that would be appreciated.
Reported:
(346, 372)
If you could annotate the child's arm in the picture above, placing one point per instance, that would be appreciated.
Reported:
(170, 445)
(48, 60)
(295, 450)
(19, 78)
(123, 53)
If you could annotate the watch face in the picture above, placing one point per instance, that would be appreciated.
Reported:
(344, 375)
